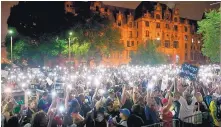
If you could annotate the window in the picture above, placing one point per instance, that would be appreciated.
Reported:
(119, 23)
(185, 29)
(175, 28)
(185, 37)
(128, 43)
(158, 16)
(130, 24)
(167, 16)
(147, 24)
(175, 19)
(67, 5)
(130, 34)
(137, 34)
(135, 24)
(186, 56)
(105, 9)
(147, 33)
(167, 44)
(97, 8)
(192, 40)
(176, 44)
(185, 45)
(158, 25)
(167, 26)
(132, 43)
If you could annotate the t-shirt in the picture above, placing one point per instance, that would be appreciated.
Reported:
(186, 110)
(135, 121)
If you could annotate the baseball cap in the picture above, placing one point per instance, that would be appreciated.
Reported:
(164, 100)
(125, 111)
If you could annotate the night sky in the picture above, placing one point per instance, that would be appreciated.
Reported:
(188, 9)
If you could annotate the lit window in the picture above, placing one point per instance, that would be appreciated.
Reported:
(176, 44)
(192, 40)
(167, 44)
(147, 24)
(132, 43)
(130, 34)
(198, 42)
(128, 43)
(158, 25)
(185, 38)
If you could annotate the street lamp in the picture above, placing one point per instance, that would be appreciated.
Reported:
(69, 46)
(11, 32)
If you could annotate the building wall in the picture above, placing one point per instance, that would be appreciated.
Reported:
(178, 40)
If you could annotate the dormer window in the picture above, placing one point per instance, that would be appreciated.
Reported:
(175, 19)
(119, 23)
(175, 28)
(157, 16)
(130, 24)
(167, 17)
(185, 29)
(147, 24)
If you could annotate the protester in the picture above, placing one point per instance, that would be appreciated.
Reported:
(119, 97)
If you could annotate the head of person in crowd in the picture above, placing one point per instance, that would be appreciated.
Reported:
(199, 97)
(111, 93)
(110, 105)
(74, 106)
(45, 95)
(81, 98)
(164, 101)
(13, 122)
(40, 119)
(188, 97)
(136, 109)
(156, 92)
(124, 114)
(33, 104)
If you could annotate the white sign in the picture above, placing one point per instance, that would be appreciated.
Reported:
(49, 81)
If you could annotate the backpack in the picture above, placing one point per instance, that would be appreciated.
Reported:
(218, 111)
(208, 100)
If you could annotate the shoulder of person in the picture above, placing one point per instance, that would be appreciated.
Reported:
(123, 123)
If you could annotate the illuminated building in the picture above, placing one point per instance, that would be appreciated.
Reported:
(176, 36)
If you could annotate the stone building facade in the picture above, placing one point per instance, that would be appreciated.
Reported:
(176, 36)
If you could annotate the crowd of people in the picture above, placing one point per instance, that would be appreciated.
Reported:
(116, 97)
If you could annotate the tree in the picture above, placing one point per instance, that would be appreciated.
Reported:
(209, 27)
(97, 32)
(47, 31)
(147, 54)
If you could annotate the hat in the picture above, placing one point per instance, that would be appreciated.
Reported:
(108, 102)
(125, 111)
(164, 100)
(111, 90)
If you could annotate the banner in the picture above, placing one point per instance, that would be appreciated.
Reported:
(189, 71)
